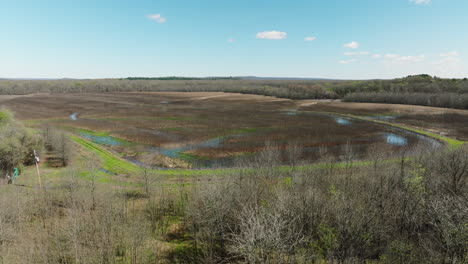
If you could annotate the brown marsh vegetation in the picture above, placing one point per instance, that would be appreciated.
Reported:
(205, 129)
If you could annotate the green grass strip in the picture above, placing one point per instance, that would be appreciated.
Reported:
(109, 161)
(120, 166)
(452, 143)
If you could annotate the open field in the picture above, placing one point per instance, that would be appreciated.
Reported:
(206, 130)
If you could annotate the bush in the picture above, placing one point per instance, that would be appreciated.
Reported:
(409, 212)
(57, 143)
(17, 143)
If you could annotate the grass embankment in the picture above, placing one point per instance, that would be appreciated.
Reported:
(119, 166)
(451, 143)
(109, 162)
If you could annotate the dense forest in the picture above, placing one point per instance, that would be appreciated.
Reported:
(419, 89)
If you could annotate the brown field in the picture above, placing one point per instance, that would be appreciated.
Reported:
(206, 129)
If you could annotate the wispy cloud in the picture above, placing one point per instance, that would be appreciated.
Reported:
(347, 61)
(310, 38)
(376, 56)
(396, 58)
(448, 58)
(157, 17)
(357, 53)
(275, 35)
(351, 45)
(231, 40)
(421, 2)
(450, 54)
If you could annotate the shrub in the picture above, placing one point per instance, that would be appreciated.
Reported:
(17, 143)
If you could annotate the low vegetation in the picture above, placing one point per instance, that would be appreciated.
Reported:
(405, 212)
(410, 211)
(57, 143)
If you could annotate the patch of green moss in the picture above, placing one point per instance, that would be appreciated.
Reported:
(191, 157)
(3, 117)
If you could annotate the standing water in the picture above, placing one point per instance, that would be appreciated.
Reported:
(396, 140)
(74, 116)
(342, 121)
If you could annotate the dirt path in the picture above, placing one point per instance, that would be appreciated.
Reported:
(5, 98)
(305, 103)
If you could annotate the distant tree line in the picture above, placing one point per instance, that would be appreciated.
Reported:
(277, 88)
(176, 78)
(411, 84)
(419, 89)
(414, 90)
(447, 100)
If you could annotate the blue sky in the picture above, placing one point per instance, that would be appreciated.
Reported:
(345, 39)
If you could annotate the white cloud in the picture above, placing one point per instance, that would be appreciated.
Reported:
(449, 64)
(157, 17)
(310, 38)
(396, 58)
(448, 58)
(347, 61)
(450, 54)
(231, 40)
(376, 56)
(420, 2)
(351, 45)
(447, 61)
(392, 56)
(357, 53)
(276, 35)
